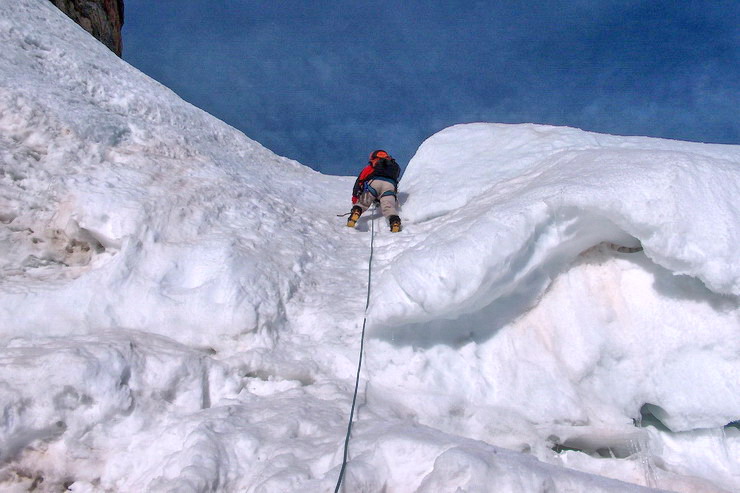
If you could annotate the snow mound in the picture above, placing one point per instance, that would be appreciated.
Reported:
(504, 208)
(551, 275)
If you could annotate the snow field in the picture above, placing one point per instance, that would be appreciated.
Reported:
(181, 309)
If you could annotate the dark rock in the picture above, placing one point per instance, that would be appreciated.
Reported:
(101, 18)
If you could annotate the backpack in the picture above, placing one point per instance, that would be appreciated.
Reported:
(387, 168)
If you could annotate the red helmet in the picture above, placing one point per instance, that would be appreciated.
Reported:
(379, 154)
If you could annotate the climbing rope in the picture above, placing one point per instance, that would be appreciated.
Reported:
(362, 348)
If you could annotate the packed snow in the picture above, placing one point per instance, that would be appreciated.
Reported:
(180, 308)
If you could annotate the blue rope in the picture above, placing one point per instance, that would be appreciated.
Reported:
(362, 348)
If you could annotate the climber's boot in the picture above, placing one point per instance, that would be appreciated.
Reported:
(354, 216)
(395, 223)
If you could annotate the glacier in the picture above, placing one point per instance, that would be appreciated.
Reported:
(180, 308)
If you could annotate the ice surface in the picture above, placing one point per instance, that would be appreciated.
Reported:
(180, 308)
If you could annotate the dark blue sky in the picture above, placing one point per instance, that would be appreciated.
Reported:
(326, 82)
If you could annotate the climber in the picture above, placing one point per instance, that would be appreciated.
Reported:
(378, 182)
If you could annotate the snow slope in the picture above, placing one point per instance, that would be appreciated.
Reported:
(180, 307)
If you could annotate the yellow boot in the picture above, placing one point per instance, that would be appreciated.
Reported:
(395, 223)
(354, 216)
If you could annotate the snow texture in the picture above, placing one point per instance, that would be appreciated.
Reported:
(180, 308)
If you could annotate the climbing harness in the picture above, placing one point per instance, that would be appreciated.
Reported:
(362, 348)
(374, 192)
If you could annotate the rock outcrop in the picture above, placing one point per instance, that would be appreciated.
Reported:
(101, 18)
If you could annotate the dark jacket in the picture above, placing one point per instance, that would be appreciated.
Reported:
(384, 169)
